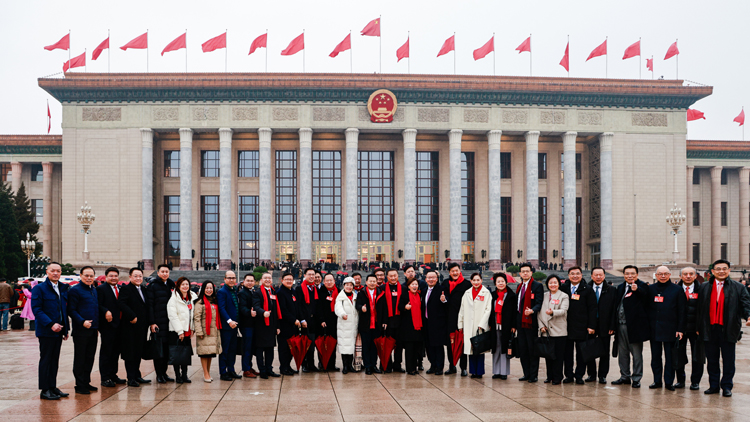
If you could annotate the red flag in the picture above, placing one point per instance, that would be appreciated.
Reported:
(176, 44)
(672, 51)
(344, 45)
(215, 43)
(77, 61)
(740, 118)
(448, 46)
(484, 50)
(566, 58)
(403, 51)
(63, 44)
(633, 50)
(598, 51)
(650, 64)
(693, 114)
(98, 50)
(372, 29)
(49, 118)
(139, 42)
(525, 46)
(295, 46)
(258, 43)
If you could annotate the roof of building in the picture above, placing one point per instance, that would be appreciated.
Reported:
(357, 87)
(702, 149)
(30, 144)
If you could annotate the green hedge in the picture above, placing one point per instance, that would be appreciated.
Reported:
(539, 276)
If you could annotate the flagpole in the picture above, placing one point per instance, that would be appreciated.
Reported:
(606, 62)
(677, 63)
(408, 61)
(530, 69)
(85, 65)
(147, 50)
(640, 59)
(493, 55)
(226, 50)
(380, 45)
(109, 41)
(454, 53)
(69, 49)
(303, 51)
(351, 60)
(266, 50)
(186, 51)
(652, 67)
(568, 55)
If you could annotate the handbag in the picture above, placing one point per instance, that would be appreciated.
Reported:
(544, 347)
(592, 349)
(153, 349)
(482, 342)
(180, 354)
(513, 346)
(677, 357)
(240, 344)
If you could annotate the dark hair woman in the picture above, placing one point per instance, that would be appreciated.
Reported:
(207, 324)
(503, 323)
(181, 326)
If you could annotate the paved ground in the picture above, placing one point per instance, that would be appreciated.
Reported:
(354, 397)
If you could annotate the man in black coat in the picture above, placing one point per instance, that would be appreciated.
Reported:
(325, 317)
(157, 296)
(605, 326)
(581, 322)
(289, 323)
(368, 326)
(307, 296)
(266, 325)
(435, 314)
(453, 289)
(631, 315)
(134, 325)
(691, 287)
(109, 327)
(667, 307)
(83, 309)
(389, 316)
(721, 330)
(247, 324)
(530, 298)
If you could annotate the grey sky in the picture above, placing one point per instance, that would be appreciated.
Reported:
(712, 37)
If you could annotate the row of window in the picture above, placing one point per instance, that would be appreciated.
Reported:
(6, 172)
(697, 214)
(697, 252)
(697, 176)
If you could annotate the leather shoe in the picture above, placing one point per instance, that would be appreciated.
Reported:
(133, 383)
(547, 381)
(568, 381)
(590, 379)
(160, 380)
(388, 371)
(248, 374)
(524, 378)
(376, 371)
(368, 371)
(669, 387)
(343, 371)
(451, 370)
(142, 381)
(255, 372)
(580, 382)
(655, 385)
(602, 380)
(679, 385)
(439, 373)
(82, 390)
(555, 382)
(119, 380)
(305, 369)
(430, 371)
(636, 384)
(92, 388)
(399, 370)
(726, 392)
(227, 377)
(695, 387)
(464, 373)
(108, 383)
(60, 393)
(621, 381)
(49, 395)
(262, 375)
(167, 378)
(185, 379)
(235, 375)
(535, 379)
(273, 374)
(711, 391)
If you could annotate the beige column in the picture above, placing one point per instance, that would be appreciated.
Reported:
(715, 213)
(689, 214)
(16, 169)
(744, 216)
(47, 209)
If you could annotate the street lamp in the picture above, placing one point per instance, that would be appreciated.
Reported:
(675, 219)
(28, 246)
(86, 218)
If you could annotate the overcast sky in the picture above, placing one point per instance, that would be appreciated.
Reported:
(713, 42)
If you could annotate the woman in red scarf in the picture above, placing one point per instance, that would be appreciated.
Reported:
(410, 331)
(207, 324)
(503, 315)
(181, 325)
(473, 319)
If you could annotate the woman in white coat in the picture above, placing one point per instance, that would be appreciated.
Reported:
(346, 328)
(473, 318)
(181, 325)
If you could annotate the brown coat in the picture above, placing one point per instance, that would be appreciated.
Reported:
(6, 293)
(209, 344)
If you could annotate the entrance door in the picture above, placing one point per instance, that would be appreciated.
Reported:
(427, 257)
(380, 257)
(290, 257)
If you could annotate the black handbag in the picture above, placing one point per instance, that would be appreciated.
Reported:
(482, 343)
(180, 354)
(153, 349)
(677, 357)
(240, 349)
(513, 346)
(544, 347)
(592, 349)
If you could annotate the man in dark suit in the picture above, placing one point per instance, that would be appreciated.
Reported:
(667, 304)
(691, 287)
(722, 304)
(134, 327)
(454, 288)
(49, 301)
(228, 309)
(389, 316)
(247, 324)
(158, 293)
(581, 322)
(435, 314)
(631, 305)
(306, 295)
(530, 298)
(83, 309)
(605, 296)
(109, 327)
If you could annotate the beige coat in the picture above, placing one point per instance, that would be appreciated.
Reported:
(474, 313)
(209, 344)
(557, 323)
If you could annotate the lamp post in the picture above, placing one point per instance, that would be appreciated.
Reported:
(28, 246)
(675, 219)
(85, 219)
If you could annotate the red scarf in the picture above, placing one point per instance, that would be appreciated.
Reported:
(717, 309)
(415, 299)
(265, 305)
(306, 290)
(372, 298)
(526, 319)
(389, 300)
(474, 293)
(453, 284)
(209, 308)
(358, 288)
(189, 304)
(499, 306)
(333, 298)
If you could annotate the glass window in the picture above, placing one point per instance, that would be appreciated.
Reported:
(467, 197)
(37, 173)
(543, 229)
(578, 166)
(210, 229)
(248, 164)
(505, 165)
(210, 164)
(286, 195)
(696, 213)
(696, 176)
(427, 197)
(37, 208)
(724, 174)
(172, 229)
(542, 162)
(724, 251)
(5, 172)
(723, 214)
(326, 198)
(248, 219)
(375, 196)
(696, 253)
(505, 229)
(171, 163)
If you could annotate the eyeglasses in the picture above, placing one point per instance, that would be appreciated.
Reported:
(721, 269)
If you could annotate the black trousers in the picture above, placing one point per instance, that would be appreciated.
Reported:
(309, 360)
(109, 354)
(555, 366)
(413, 353)
(436, 356)
(285, 356)
(606, 340)
(84, 351)
(529, 360)
(463, 360)
(580, 367)
(264, 359)
(133, 369)
(656, 364)
(696, 358)
(398, 354)
(369, 351)
(716, 344)
(161, 365)
(49, 361)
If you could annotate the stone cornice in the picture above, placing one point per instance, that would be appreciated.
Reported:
(719, 155)
(31, 149)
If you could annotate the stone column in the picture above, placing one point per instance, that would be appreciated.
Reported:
(454, 142)
(493, 157)
(225, 199)
(569, 184)
(689, 215)
(715, 213)
(16, 169)
(352, 234)
(265, 185)
(186, 199)
(744, 216)
(304, 211)
(147, 198)
(47, 209)
(532, 198)
(410, 195)
(605, 187)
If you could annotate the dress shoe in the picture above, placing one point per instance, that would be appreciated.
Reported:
(712, 391)
(376, 371)
(262, 375)
(621, 381)
(208, 380)
(602, 380)
(160, 380)
(503, 377)
(142, 381)
(133, 383)
(235, 375)
(185, 379)
(227, 377)
(567, 380)
(726, 392)
(167, 378)
(524, 378)
(254, 372)
(399, 370)
(535, 379)
(669, 387)
(274, 374)
(420, 368)
(555, 382)
(109, 383)
(60, 393)
(248, 374)
(336, 369)
(655, 385)
(415, 373)
(495, 376)
(82, 390)
(345, 370)
(695, 387)
(464, 373)
(451, 370)
(430, 371)
(636, 384)
(119, 381)
(590, 379)
(178, 379)
(388, 371)
(547, 381)
(580, 381)
(368, 371)
(439, 373)
(679, 385)
(49, 395)
(92, 388)
(306, 369)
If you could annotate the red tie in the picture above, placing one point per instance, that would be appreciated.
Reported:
(117, 293)
(687, 292)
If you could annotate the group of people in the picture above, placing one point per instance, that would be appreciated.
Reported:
(424, 317)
